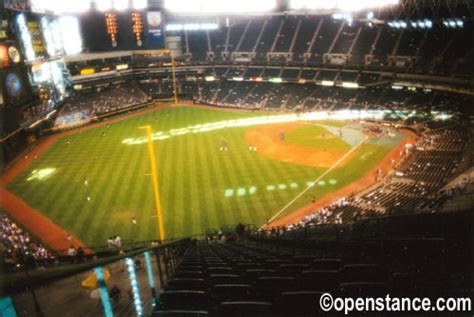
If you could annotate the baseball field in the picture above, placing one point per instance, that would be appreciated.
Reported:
(215, 168)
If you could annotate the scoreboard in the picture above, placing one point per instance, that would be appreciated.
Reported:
(123, 31)
(14, 85)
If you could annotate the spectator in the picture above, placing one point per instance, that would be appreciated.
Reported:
(115, 294)
(110, 244)
(80, 254)
(118, 243)
(71, 252)
(15, 242)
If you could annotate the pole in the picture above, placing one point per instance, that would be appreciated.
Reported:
(154, 175)
(175, 90)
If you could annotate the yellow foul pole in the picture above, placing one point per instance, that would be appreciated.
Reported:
(156, 190)
(173, 69)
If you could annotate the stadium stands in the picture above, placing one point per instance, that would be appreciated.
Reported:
(434, 161)
(81, 108)
(285, 276)
(405, 235)
(17, 246)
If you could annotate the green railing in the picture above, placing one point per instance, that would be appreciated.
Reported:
(140, 274)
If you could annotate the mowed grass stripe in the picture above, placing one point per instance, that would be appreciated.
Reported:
(175, 219)
(259, 201)
(211, 184)
(203, 183)
(191, 199)
(237, 163)
(193, 204)
(98, 196)
(106, 201)
(231, 206)
(218, 183)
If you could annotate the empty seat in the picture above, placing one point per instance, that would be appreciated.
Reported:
(241, 267)
(231, 292)
(292, 269)
(191, 284)
(270, 287)
(363, 273)
(365, 289)
(247, 309)
(183, 300)
(215, 279)
(180, 313)
(297, 303)
(318, 280)
(189, 274)
(275, 263)
(219, 270)
(252, 275)
(190, 267)
(304, 259)
(327, 265)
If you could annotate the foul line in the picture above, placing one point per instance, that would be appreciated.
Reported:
(315, 181)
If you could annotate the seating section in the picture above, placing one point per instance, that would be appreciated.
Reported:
(84, 106)
(433, 161)
(291, 96)
(254, 279)
(18, 246)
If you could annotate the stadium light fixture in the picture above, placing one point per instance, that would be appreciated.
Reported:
(70, 34)
(328, 4)
(121, 67)
(120, 5)
(139, 4)
(219, 6)
(327, 83)
(298, 4)
(174, 27)
(428, 23)
(60, 7)
(343, 5)
(192, 27)
(350, 85)
(103, 5)
(460, 23)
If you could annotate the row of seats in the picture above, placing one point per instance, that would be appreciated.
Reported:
(246, 280)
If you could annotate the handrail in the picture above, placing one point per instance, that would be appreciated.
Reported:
(354, 229)
(10, 282)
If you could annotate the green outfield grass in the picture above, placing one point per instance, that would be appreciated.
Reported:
(200, 186)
